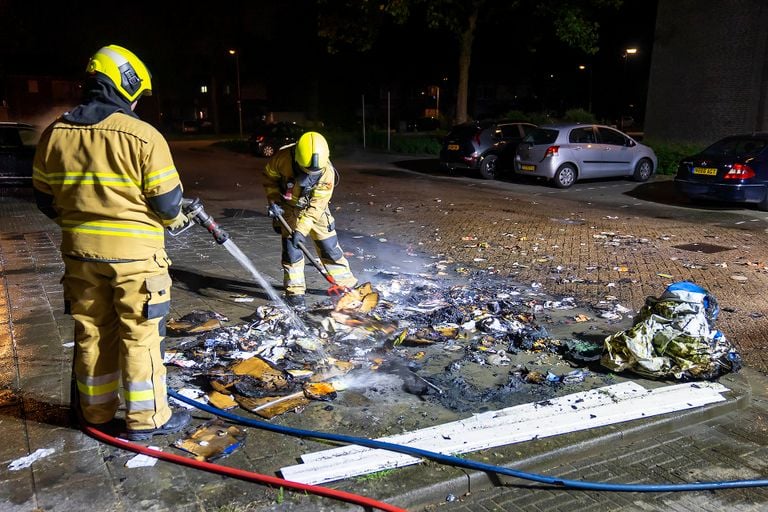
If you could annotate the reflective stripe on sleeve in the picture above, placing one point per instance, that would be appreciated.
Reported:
(156, 177)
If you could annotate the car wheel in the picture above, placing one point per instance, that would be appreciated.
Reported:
(565, 176)
(267, 150)
(488, 167)
(643, 170)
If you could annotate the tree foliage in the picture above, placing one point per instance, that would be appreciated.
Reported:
(356, 24)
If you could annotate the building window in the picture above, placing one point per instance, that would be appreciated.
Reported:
(204, 89)
(32, 87)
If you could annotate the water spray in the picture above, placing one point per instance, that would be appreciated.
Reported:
(193, 209)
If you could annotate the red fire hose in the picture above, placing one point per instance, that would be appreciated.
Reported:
(241, 474)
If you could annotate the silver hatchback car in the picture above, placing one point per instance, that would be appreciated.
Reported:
(565, 153)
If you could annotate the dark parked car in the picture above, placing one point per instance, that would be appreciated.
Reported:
(268, 139)
(565, 153)
(486, 146)
(733, 169)
(17, 149)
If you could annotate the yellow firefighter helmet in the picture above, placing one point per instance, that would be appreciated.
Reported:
(312, 153)
(129, 76)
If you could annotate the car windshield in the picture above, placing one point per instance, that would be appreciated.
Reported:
(463, 131)
(541, 136)
(736, 146)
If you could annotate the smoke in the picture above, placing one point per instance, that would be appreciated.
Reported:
(379, 254)
(366, 380)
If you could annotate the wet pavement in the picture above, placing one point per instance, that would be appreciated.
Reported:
(402, 234)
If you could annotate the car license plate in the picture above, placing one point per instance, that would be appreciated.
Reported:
(706, 171)
(453, 147)
(526, 167)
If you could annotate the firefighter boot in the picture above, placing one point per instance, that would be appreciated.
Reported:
(296, 302)
(178, 421)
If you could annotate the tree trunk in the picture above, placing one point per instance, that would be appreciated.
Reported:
(465, 54)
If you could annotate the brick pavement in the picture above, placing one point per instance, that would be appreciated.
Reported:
(34, 360)
(572, 249)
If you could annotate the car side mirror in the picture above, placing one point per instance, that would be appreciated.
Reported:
(630, 143)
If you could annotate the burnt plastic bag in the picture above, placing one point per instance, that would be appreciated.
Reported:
(673, 336)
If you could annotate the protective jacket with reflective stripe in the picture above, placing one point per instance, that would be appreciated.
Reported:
(282, 186)
(110, 183)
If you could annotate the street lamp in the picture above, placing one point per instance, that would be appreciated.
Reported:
(239, 102)
(582, 67)
(628, 52)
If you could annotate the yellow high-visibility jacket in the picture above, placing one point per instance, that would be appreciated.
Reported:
(114, 186)
(283, 188)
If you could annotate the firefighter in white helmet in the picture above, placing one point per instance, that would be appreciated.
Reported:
(299, 181)
(108, 179)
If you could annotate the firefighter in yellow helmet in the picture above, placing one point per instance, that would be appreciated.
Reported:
(108, 179)
(299, 181)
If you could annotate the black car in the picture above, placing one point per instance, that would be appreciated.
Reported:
(17, 149)
(486, 146)
(268, 139)
(733, 169)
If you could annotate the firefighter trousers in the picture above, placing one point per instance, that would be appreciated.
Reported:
(323, 234)
(119, 311)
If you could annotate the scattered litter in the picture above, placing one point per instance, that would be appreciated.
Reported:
(25, 462)
(581, 351)
(69, 344)
(243, 299)
(193, 394)
(177, 359)
(142, 461)
(213, 440)
(666, 276)
(737, 277)
(195, 322)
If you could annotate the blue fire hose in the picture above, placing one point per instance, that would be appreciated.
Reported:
(469, 464)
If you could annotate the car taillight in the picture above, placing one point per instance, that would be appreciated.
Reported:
(740, 172)
(551, 151)
(477, 138)
(259, 138)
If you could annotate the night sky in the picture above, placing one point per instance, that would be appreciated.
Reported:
(184, 43)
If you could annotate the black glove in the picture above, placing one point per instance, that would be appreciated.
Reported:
(275, 210)
(298, 238)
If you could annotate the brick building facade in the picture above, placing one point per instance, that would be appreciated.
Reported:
(709, 72)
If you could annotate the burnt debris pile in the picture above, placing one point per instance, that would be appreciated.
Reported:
(470, 347)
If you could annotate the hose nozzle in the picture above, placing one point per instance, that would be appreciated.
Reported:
(193, 209)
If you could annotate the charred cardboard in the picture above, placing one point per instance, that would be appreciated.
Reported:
(212, 440)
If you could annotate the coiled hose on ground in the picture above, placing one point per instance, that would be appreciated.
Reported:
(469, 464)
